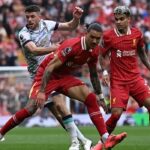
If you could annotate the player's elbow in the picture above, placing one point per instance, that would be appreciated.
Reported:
(72, 26)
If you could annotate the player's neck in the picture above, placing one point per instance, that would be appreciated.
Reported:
(123, 31)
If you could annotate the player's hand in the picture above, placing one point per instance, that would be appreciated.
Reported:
(40, 99)
(102, 103)
(54, 47)
(105, 78)
(77, 13)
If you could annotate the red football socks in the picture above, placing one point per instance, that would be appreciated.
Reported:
(14, 121)
(112, 122)
(94, 112)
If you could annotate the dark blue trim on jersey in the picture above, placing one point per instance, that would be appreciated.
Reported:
(26, 42)
(56, 26)
(55, 93)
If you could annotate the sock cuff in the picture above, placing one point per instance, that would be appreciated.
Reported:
(90, 97)
(67, 119)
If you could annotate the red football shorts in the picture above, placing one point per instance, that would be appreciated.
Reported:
(120, 92)
(57, 83)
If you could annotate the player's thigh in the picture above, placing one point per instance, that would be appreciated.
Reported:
(140, 91)
(119, 96)
(79, 92)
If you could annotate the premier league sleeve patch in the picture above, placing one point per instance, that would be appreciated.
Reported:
(66, 51)
(22, 38)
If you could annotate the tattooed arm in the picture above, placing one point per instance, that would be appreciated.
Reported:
(55, 63)
(97, 87)
(95, 80)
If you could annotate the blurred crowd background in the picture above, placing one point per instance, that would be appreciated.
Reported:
(14, 90)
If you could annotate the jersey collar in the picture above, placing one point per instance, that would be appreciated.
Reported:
(119, 34)
(83, 44)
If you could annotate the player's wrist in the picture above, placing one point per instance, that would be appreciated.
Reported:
(101, 97)
(41, 91)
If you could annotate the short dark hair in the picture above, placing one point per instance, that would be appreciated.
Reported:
(122, 10)
(32, 8)
(94, 26)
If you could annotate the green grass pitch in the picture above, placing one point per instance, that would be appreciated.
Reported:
(57, 139)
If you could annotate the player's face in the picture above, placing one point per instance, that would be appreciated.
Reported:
(93, 38)
(121, 21)
(33, 19)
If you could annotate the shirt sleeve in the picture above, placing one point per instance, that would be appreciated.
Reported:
(51, 25)
(65, 51)
(24, 37)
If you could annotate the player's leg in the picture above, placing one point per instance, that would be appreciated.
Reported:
(147, 105)
(83, 94)
(119, 99)
(18, 117)
(68, 122)
(140, 91)
(51, 106)
(113, 119)
(60, 111)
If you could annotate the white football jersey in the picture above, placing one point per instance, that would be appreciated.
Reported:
(41, 38)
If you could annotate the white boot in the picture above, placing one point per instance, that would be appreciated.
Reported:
(2, 138)
(75, 145)
(87, 144)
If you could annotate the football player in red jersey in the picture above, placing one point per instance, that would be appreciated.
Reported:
(56, 74)
(35, 39)
(125, 43)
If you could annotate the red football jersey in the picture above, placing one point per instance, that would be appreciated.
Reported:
(73, 54)
(123, 53)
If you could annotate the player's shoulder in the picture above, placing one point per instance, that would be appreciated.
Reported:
(47, 22)
(24, 30)
(108, 34)
(135, 30)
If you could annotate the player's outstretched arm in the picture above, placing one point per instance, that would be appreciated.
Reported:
(143, 56)
(71, 25)
(37, 51)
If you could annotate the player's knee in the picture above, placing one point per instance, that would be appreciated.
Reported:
(63, 109)
(31, 107)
